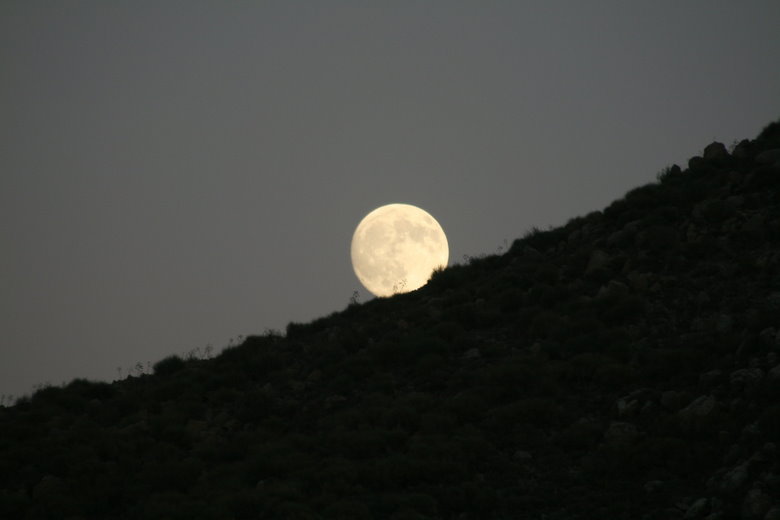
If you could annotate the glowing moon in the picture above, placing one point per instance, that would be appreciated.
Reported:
(396, 248)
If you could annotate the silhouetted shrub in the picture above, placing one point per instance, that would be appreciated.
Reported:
(645, 197)
(770, 132)
(541, 240)
(169, 365)
(493, 392)
(91, 389)
(669, 174)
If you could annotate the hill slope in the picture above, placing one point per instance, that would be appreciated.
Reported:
(625, 365)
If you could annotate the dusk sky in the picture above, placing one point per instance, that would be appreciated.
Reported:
(174, 174)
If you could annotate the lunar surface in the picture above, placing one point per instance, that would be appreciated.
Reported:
(396, 248)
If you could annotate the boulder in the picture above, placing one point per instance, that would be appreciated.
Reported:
(773, 514)
(522, 456)
(624, 236)
(773, 300)
(735, 479)
(672, 400)
(52, 492)
(697, 509)
(472, 353)
(653, 486)
(742, 150)
(695, 162)
(768, 337)
(621, 435)
(769, 157)
(766, 454)
(598, 260)
(639, 281)
(724, 324)
(530, 253)
(711, 378)
(627, 407)
(699, 414)
(715, 151)
(614, 290)
(756, 505)
(746, 380)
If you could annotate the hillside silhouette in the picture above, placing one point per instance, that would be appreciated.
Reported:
(624, 365)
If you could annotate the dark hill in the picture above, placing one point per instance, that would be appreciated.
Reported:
(625, 365)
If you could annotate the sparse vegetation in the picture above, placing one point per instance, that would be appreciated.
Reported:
(625, 365)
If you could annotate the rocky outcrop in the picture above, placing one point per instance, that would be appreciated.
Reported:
(625, 365)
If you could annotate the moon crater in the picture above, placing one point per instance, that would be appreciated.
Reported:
(396, 248)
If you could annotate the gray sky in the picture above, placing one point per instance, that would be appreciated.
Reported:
(174, 174)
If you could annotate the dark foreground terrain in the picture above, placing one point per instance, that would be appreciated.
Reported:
(625, 365)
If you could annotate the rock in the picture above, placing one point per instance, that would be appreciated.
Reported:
(768, 337)
(614, 290)
(196, 427)
(715, 151)
(638, 281)
(334, 399)
(733, 454)
(624, 236)
(769, 157)
(756, 505)
(735, 479)
(773, 514)
(472, 353)
(765, 454)
(724, 324)
(711, 378)
(621, 434)
(699, 414)
(735, 202)
(598, 260)
(698, 509)
(672, 400)
(653, 486)
(530, 253)
(746, 380)
(713, 211)
(50, 490)
(522, 456)
(695, 162)
(742, 150)
(635, 401)
(773, 300)
(574, 236)
(750, 432)
(627, 408)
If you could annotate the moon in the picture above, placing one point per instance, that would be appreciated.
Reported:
(396, 248)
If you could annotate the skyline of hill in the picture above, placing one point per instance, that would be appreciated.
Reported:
(624, 365)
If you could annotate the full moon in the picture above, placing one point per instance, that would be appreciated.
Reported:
(396, 248)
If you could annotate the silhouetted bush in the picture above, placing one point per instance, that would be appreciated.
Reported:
(770, 132)
(606, 369)
(169, 365)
